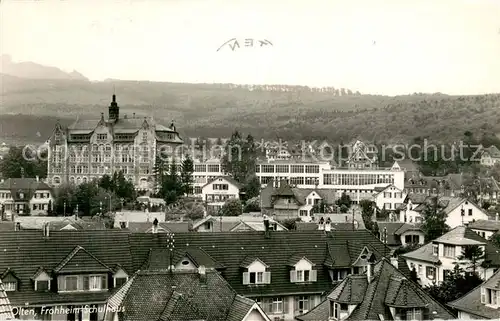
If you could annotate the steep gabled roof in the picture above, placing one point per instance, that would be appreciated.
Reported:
(378, 295)
(80, 260)
(40, 270)
(228, 179)
(181, 296)
(5, 306)
(471, 302)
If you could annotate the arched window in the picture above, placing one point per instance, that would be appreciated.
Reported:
(78, 180)
(56, 180)
(72, 180)
(85, 179)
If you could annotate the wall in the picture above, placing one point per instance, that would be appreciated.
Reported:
(231, 192)
(381, 199)
(454, 218)
(254, 316)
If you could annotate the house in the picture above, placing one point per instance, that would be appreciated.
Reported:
(181, 294)
(434, 260)
(362, 156)
(287, 202)
(285, 285)
(389, 198)
(458, 211)
(490, 156)
(485, 228)
(382, 293)
(407, 212)
(63, 271)
(235, 224)
(217, 191)
(25, 196)
(400, 234)
(481, 303)
(123, 219)
(338, 221)
(6, 311)
(159, 227)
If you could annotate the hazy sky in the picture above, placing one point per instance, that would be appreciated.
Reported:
(374, 46)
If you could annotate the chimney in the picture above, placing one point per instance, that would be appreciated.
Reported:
(46, 229)
(394, 262)
(328, 225)
(37, 178)
(17, 227)
(266, 226)
(155, 225)
(370, 268)
(321, 224)
(202, 271)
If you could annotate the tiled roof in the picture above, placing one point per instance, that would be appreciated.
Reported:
(138, 216)
(337, 249)
(159, 258)
(27, 186)
(312, 226)
(416, 198)
(459, 236)
(471, 302)
(181, 296)
(230, 222)
(37, 222)
(23, 252)
(486, 225)
(351, 290)
(79, 224)
(7, 226)
(392, 227)
(229, 179)
(328, 195)
(375, 297)
(5, 307)
(78, 261)
(423, 253)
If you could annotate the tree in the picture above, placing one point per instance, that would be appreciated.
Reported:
(319, 207)
(472, 255)
(434, 220)
(252, 205)
(49, 210)
(106, 182)
(171, 188)
(367, 210)
(159, 170)
(23, 163)
(344, 200)
(232, 207)
(187, 175)
(414, 275)
(343, 208)
(456, 285)
(64, 200)
(195, 212)
(123, 188)
(495, 239)
(240, 157)
(251, 187)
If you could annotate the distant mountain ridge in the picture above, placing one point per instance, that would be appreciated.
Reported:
(31, 70)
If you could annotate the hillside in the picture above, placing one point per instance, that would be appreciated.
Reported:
(31, 70)
(214, 110)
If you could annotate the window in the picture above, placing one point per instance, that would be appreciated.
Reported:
(430, 272)
(398, 195)
(297, 276)
(301, 304)
(120, 281)
(449, 251)
(71, 283)
(435, 249)
(10, 286)
(470, 211)
(221, 187)
(277, 306)
(336, 309)
(413, 314)
(259, 277)
(420, 269)
(256, 277)
(302, 213)
(42, 285)
(387, 195)
(387, 206)
(94, 283)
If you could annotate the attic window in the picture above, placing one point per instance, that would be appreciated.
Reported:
(43, 285)
(10, 286)
(185, 262)
(21, 195)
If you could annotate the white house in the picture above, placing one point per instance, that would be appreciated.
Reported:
(390, 198)
(216, 192)
(481, 303)
(408, 211)
(436, 259)
(485, 228)
(25, 196)
(490, 156)
(459, 211)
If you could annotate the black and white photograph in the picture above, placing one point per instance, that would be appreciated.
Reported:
(249, 160)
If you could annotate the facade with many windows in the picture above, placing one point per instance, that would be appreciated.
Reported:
(88, 149)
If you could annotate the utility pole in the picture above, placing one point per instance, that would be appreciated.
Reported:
(384, 237)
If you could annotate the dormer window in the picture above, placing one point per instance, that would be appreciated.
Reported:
(10, 286)
(119, 278)
(490, 297)
(338, 311)
(21, 195)
(256, 274)
(42, 285)
(303, 272)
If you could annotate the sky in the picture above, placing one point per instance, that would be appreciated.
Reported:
(374, 46)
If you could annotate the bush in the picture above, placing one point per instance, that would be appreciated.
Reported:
(195, 212)
(232, 207)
